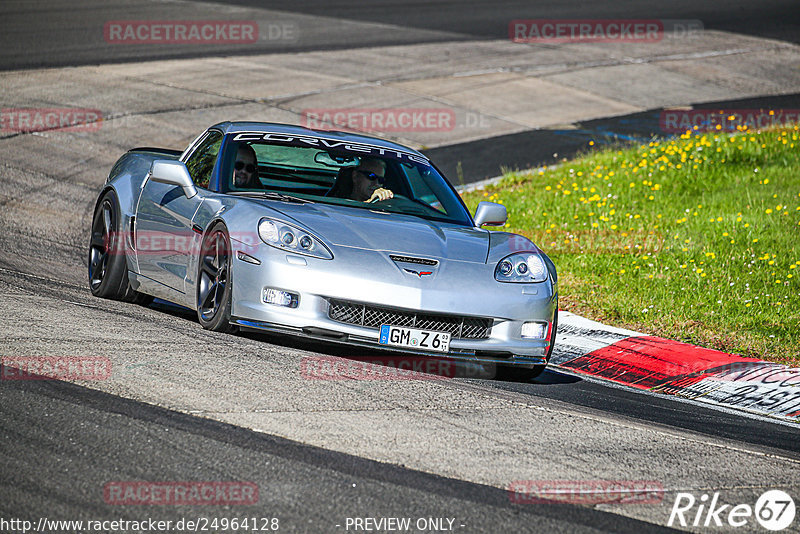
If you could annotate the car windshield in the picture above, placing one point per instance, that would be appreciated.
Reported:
(345, 174)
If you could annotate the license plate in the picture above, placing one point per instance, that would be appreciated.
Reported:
(400, 336)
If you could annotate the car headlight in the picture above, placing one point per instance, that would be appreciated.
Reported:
(521, 267)
(292, 239)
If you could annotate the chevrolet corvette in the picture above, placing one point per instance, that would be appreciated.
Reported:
(327, 235)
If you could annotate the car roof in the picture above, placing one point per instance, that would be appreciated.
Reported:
(292, 129)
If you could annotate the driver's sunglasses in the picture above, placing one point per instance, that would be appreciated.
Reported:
(371, 176)
(249, 167)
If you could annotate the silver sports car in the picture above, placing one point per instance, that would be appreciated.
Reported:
(322, 234)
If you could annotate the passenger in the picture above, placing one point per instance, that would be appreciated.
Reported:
(245, 168)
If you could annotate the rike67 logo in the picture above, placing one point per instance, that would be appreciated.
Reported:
(774, 510)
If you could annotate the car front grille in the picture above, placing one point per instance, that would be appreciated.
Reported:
(374, 316)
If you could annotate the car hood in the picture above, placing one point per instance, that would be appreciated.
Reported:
(389, 232)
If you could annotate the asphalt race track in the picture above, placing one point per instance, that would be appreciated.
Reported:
(61, 33)
(308, 486)
(182, 404)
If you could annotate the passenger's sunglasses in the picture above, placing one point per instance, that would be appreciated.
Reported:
(249, 167)
(371, 176)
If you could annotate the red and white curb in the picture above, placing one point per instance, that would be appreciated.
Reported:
(664, 366)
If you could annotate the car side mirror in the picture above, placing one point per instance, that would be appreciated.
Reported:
(491, 214)
(168, 171)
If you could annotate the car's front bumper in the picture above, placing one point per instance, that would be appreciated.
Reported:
(464, 289)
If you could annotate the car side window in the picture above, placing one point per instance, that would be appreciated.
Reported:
(201, 162)
(420, 188)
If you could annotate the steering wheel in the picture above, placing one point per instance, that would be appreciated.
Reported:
(395, 197)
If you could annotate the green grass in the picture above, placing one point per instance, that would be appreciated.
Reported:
(695, 238)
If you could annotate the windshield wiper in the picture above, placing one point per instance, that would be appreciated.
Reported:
(272, 195)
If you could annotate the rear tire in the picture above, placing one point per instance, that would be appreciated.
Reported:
(107, 262)
(214, 289)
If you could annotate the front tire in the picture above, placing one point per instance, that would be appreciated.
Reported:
(107, 262)
(214, 290)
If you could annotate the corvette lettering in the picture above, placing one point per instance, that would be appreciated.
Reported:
(299, 140)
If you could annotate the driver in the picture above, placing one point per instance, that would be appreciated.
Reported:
(367, 181)
(245, 168)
